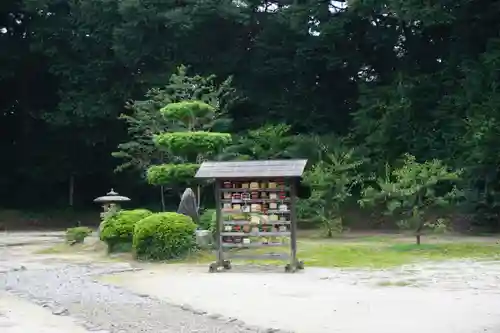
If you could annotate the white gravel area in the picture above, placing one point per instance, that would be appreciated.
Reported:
(450, 297)
(71, 289)
(461, 296)
(19, 316)
(67, 289)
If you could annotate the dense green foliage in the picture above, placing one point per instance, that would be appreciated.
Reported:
(172, 173)
(77, 235)
(190, 143)
(208, 220)
(164, 236)
(118, 229)
(187, 112)
(81, 78)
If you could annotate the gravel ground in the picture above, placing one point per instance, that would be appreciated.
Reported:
(73, 288)
(448, 297)
(69, 289)
(461, 296)
(14, 311)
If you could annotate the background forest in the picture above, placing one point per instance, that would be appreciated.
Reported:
(372, 92)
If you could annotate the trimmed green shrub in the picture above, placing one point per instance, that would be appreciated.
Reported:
(77, 235)
(171, 173)
(118, 229)
(188, 143)
(207, 219)
(185, 111)
(164, 236)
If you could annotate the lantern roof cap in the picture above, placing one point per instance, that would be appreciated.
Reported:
(111, 197)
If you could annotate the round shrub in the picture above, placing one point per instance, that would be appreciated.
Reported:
(118, 229)
(77, 235)
(164, 236)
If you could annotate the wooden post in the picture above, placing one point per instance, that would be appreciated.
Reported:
(218, 228)
(293, 223)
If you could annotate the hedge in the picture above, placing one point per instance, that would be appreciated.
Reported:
(118, 230)
(164, 236)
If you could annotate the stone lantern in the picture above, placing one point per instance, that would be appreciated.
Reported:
(110, 203)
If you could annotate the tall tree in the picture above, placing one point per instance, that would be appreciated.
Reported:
(145, 120)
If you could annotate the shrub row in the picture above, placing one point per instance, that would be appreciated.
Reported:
(118, 229)
(154, 236)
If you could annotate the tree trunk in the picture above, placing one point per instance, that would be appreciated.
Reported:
(198, 198)
(418, 232)
(71, 190)
(162, 196)
(418, 218)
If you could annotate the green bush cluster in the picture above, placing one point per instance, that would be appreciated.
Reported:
(118, 229)
(77, 235)
(164, 236)
(207, 219)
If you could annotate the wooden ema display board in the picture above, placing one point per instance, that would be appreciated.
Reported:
(255, 209)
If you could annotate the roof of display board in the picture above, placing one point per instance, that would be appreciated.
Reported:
(252, 169)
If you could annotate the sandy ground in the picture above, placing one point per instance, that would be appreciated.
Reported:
(327, 301)
(19, 316)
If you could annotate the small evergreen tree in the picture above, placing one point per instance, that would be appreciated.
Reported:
(188, 146)
(411, 190)
(332, 180)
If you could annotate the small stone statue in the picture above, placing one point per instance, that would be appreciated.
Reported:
(188, 205)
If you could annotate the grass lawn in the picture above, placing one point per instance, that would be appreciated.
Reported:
(349, 250)
(378, 255)
(378, 251)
